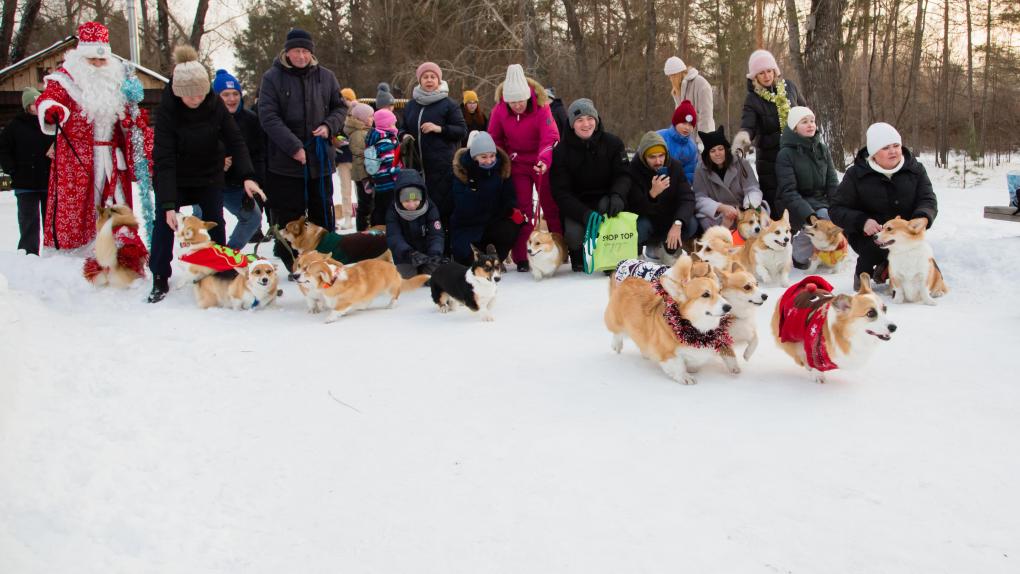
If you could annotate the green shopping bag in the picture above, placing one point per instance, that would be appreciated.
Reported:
(609, 240)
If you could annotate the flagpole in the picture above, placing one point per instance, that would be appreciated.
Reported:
(132, 21)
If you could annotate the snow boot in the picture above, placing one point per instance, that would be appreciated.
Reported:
(160, 287)
(576, 261)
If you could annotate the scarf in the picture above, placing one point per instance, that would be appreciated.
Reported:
(218, 258)
(886, 172)
(832, 258)
(427, 98)
(718, 338)
(778, 98)
(131, 253)
(412, 215)
(804, 309)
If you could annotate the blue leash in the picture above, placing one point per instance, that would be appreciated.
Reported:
(322, 150)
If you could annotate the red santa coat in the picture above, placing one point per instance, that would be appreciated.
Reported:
(71, 203)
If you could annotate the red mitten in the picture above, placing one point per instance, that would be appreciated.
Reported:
(517, 217)
(54, 115)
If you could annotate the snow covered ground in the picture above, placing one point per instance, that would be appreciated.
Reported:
(163, 438)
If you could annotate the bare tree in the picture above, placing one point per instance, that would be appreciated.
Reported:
(649, 55)
(942, 145)
(198, 27)
(7, 30)
(29, 14)
(163, 35)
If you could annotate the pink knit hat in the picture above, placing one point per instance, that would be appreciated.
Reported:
(429, 67)
(385, 120)
(760, 61)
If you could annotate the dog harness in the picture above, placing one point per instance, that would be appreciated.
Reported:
(832, 258)
(219, 258)
(686, 333)
(640, 269)
(131, 253)
(804, 308)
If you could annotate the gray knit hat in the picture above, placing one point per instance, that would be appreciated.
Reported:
(190, 78)
(383, 97)
(479, 143)
(581, 107)
(28, 97)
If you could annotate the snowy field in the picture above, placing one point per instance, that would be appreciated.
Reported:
(166, 439)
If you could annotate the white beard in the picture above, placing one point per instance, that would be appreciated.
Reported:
(100, 96)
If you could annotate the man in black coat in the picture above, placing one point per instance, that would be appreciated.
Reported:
(25, 156)
(885, 180)
(589, 174)
(559, 111)
(301, 111)
(660, 196)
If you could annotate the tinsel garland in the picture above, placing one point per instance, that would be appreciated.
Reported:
(134, 93)
(778, 98)
(686, 333)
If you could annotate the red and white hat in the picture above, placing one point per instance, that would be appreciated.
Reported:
(94, 40)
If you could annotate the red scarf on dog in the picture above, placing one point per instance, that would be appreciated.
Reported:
(686, 333)
(803, 320)
(218, 258)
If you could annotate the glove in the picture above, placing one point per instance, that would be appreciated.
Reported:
(54, 115)
(517, 217)
(418, 259)
(741, 142)
(433, 263)
(611, 205)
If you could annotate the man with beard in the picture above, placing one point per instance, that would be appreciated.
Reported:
(83, 104)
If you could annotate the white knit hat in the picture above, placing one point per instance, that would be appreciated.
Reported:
(880, 135)
(515, 87)
(674, 65)
(796, 114)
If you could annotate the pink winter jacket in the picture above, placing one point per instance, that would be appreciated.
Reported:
(529, 137)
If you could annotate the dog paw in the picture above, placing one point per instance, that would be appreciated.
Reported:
(617, 344)
(488, 318)
(819, 378)
(687, 380)
(734, 370)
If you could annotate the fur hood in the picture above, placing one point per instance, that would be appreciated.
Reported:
(538, 94)
(462, 161)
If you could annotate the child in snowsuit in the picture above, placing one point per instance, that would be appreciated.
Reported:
(381, 162)
(414, 232)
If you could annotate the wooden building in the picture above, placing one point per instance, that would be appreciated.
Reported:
(31, 70)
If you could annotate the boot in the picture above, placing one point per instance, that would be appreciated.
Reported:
(160, 287)
(576, 261)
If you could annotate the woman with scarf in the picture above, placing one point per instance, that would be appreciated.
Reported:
(768, 101)
(437, 126)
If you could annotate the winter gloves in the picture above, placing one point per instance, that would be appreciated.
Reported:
(741, 142)
(54, 115)
(611, 205)
(418, 258)
(517, 217)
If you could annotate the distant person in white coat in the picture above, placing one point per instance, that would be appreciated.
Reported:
(688, 84)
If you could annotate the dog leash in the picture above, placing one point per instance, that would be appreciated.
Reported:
(322, 156)
(591, 235)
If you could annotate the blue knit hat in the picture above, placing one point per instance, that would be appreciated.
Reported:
(225, 81)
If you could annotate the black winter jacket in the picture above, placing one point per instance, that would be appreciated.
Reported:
(675, 203)
(867, 194)
(805, 175)
(436, 149)
(292, 103)
(23, 149)
(585, 171)
(255, 139)
(191, 144)
(760, 120)
(423, 234)
(559, 113)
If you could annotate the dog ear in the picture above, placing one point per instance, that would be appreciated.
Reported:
(475, 253)
(736, 267)
(543, 226)
(842, 302)
(209, 224)
(491, 250)
(786, 216)
(865, 284)
(917, 225)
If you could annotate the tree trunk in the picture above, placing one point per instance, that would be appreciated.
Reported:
(532, 62)
(915, 63)
(865, 86)
(163, 39)
(987, 78)
(580, 52)
(759, 24)
(29, 14)
(821, 67)
(7, 31)
(943, 113)
(971, 121)
(198, 28)
(793, 28)
(649, 58)
(685, 30)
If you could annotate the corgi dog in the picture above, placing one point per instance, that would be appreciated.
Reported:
(546, 251)
(354, 286)
(740, 289)
(770, 255)
(695, 331)
(750, 224)
(193, 236)
(831, 247)
(913, 274)
(304, 236)
(302, 274)
(120, 254)
(716, 247)
(251, 287)
(821, 331)
(473, 286)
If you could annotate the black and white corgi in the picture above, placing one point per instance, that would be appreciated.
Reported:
(474, 286)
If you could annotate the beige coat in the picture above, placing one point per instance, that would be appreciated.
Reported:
(356, 131)
(697, 89)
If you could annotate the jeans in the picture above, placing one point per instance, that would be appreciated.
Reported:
(249, 218)
(210, 201)
(31, 209)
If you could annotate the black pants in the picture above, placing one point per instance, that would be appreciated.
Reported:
(366, 204)
(868, 254)
(287, 203)
(210, 199)
(501, 233)
(380, 205)
(31, 210)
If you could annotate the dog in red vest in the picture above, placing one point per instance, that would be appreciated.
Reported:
(822, 331)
